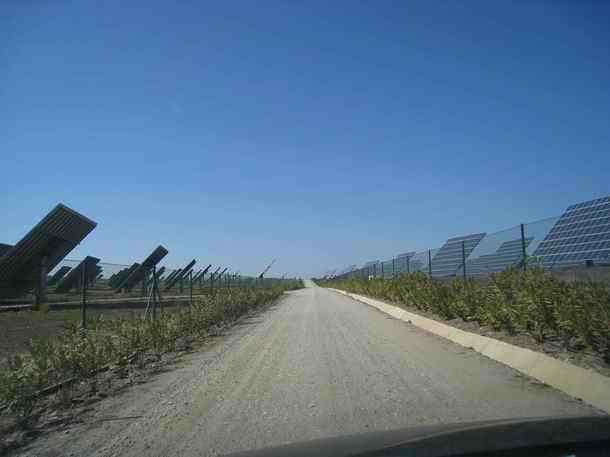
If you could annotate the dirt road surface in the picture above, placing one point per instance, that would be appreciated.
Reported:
(314, 365)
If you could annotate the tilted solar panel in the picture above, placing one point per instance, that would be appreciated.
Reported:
(52, 239)
(509, 253)
(581, 234)
(4, 248)
(58, 275)
(172, 275)
(145, 267)
(180, 275)
(117, 277)
(122, 275)
(74, 278)
(448, 258)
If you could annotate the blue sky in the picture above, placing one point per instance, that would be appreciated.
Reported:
(318, 133)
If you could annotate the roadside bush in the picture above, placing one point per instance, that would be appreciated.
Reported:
(532, 302)
(79, 355)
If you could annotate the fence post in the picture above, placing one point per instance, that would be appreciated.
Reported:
(429, 263)
(41, 287)
(523, 248)
(408, 264)
(83, 306)
(191, 288)
(382, 272)
(464, 260)
(393, 267)
(155, 292)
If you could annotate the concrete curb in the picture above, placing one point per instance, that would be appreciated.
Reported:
(582, 383)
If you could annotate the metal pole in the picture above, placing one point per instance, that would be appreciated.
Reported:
(523, 248)
(41, 289)
(191, 288)
(408, 265)
(83, 307)
(464, 260)
(393, 268)
(429, 263)
(155, 292)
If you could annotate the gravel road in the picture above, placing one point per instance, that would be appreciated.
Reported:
(316, 364)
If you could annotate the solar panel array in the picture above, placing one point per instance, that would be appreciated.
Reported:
(448, 259)
(182, 273)
(509, 253)
(140, 273)
(581, 234)
(58, 275)
(52, 238)
(74, 278)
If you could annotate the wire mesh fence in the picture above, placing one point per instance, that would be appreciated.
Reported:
(541, 243)
(111, 284)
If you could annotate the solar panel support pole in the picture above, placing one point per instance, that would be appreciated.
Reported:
(523, 248)
(429, 263)
(464, 261)
(41, 289)
(83, 306)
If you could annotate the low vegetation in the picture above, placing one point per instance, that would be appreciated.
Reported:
(78, 355)
(532, 302)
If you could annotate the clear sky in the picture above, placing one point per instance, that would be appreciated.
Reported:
(320, 133)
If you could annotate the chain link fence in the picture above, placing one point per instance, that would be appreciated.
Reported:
(104, 284)
(480, 254)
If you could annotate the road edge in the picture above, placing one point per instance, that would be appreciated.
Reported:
(581, 383)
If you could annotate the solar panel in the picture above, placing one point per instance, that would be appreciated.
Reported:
(173, 274)
(116, 278)
(138, 274)
(581, 234)
(52, 238)
(160, 272)
(58, 275)
(180, 275)
(196, 275)
(4, 248)
(448, 259)
(122, 275)
(74, 278)
(508, 254)
(203, 272)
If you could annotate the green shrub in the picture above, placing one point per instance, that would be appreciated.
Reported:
(81, 354)
(532, 302)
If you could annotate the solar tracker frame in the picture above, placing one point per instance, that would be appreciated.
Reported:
(123, 274)
(581, 235)
(180, 275)
(60, 231)
(72, 280)
(59, 274)
(138, 274)
(173, 274)
(448, 259)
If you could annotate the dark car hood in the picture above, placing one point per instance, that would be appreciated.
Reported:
(452, 439)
